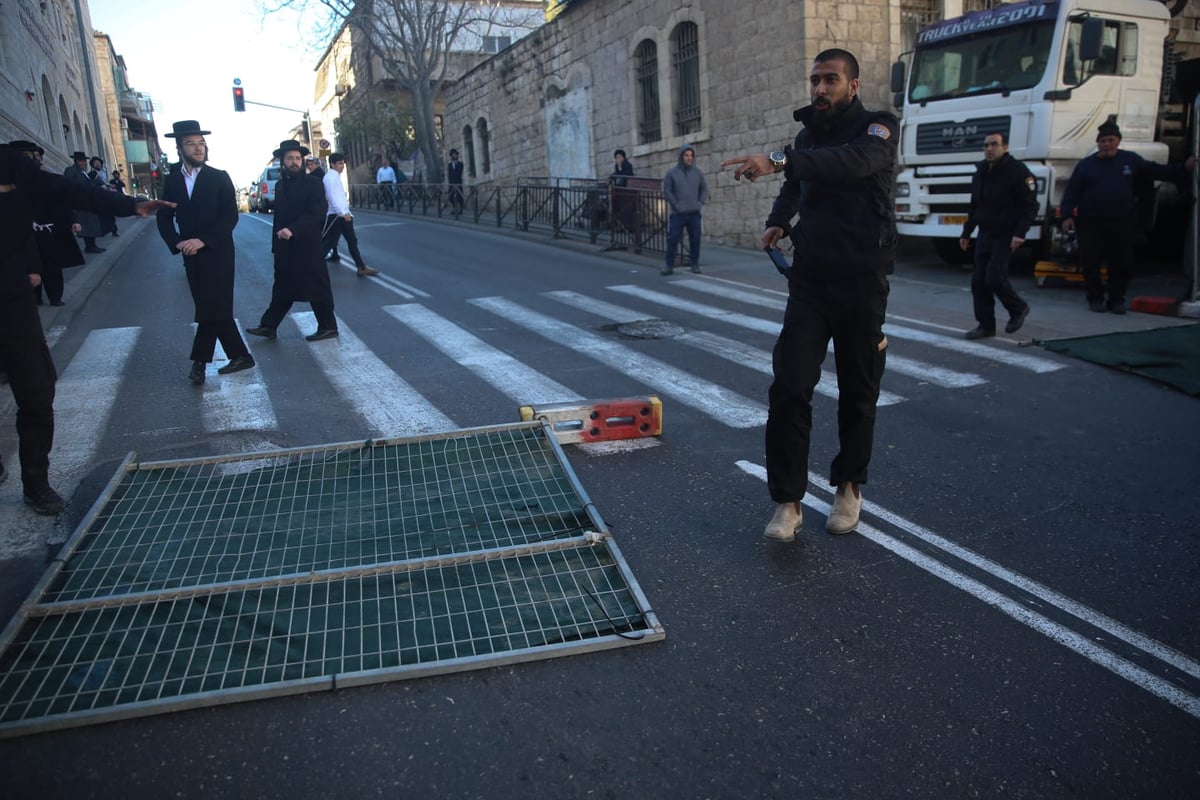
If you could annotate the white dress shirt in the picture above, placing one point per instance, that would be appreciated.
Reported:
(335, 194)
(385, 174)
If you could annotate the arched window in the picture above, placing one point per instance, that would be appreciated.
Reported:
(645, 65)
(485, 149)
(49, 105)
(469, 147)
(64, 118)
(685, 77)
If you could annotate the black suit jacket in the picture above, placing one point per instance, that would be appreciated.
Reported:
(209, 215)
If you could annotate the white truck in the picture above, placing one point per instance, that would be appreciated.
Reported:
(1046, 74)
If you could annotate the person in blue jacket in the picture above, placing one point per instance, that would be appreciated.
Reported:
(1100, 203)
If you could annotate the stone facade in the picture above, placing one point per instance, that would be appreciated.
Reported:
(49, 90)
(129, 120)
(560, 101)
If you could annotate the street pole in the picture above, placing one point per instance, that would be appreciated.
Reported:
(307, 127)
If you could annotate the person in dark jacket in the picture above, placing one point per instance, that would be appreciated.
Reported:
(838, 182)
(1003, 205)
(54, 231)
(200, 227)
(454, 179)
(24, 355)
(300, 272)
(89, 223)
(686, 192)
(1101, 199)
(624, 200)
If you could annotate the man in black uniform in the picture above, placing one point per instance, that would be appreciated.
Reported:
(24, 355)
(1003, 205)
(1101, 195)
(838, 179)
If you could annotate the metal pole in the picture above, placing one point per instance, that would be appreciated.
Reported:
(1193, 233)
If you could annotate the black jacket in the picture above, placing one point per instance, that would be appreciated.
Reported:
(839, 182)
(209, 215)
(1003, 200)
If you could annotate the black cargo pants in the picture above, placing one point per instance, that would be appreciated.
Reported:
(26, 359)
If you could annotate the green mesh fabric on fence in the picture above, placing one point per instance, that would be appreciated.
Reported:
(210, 581)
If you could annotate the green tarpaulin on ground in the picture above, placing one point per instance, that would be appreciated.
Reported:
(1168, 355)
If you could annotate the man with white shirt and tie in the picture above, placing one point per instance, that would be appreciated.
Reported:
(200, 226)
(338, 220)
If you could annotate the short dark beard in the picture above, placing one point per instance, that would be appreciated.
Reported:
(192, 163)
(292, 172)
(828, 115)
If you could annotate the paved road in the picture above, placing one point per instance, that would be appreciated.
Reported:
(1016, 617)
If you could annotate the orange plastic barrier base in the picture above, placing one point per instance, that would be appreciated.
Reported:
(600, 420)
(1167, 306)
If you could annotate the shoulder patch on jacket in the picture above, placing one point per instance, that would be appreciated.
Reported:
(1031, 183)
(875, 129)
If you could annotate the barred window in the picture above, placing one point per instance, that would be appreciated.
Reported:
(485, 150)
(685, 65)
(915, 15)
(645, 60)
(979, 5)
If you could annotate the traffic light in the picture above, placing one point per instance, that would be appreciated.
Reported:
(154, 173)
(239, 99)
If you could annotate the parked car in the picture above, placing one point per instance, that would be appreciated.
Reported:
(262, 193)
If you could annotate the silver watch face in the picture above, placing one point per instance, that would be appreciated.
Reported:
(778, 158)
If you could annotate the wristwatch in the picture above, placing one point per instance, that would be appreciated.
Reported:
(778, 160)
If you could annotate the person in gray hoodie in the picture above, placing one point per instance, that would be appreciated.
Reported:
(686, 192)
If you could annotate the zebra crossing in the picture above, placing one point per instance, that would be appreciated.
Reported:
(386, 403)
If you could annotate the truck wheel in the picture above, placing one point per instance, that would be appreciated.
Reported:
(949, 251)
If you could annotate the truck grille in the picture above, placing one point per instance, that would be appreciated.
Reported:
(959, 137)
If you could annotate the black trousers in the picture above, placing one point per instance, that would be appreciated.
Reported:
(989, 281)
(52, 283)
(338, 226)
(1107, 239)
(279, 308)
(26, 359)
(849, 309)
(207, 335)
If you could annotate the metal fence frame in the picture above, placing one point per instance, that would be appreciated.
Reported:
(631, 217)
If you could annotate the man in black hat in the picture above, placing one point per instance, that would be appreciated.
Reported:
(300, 272)
(54, 231)
(24, 355)
(89, 223)
(201, 228)
(1100, 202)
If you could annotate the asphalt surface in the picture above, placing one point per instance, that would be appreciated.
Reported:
(1016, 617)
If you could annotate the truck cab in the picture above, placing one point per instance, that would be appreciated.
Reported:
(1045, 74)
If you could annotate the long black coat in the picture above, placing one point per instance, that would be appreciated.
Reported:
(89, 223)
(300, 271)
(209, 215)
(56, 242)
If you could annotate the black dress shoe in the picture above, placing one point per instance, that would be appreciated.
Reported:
(980, 332)
(57, 303)
(263, 331)
(45, 501)
(334, 257)
(237, 365)
(93, 250)
(196, 375)
(329, 333)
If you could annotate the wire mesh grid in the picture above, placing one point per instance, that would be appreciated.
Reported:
(168, 601)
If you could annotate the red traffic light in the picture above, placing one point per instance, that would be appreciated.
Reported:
(239, 99)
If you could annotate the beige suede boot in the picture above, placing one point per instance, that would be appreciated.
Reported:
(847, 505)
(785, 523)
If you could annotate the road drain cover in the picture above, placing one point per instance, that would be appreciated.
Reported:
(650, 329)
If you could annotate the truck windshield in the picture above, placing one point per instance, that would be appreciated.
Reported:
(1000, 60)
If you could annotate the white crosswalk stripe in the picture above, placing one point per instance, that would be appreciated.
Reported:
(729, 349)
(520, 382)
(390, 406)
(235, 402)
(723, 405)
(958, 345)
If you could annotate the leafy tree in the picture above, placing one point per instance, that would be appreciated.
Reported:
(378, 123)
(413, 40)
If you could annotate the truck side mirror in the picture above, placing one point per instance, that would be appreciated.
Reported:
(898, 77)
(1091, 39)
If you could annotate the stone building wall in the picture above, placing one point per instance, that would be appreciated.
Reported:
(46, 59)
(558, 102)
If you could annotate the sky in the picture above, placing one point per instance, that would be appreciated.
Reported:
(186, 55)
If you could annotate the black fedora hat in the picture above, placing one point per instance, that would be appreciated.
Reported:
(288, 145)
(26, 146)
(79, 155)
(186, 127)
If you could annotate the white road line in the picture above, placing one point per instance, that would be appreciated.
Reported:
(1057, 632)
(84, 401)
(719, 346)
(519, 382)
(389, 405)
(237, 402)
(401, 288)
(728, 408)
(939, 376)
(1012, 359)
